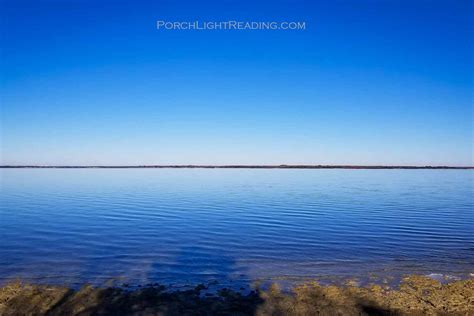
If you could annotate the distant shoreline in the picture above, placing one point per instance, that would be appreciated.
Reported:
(234, 167)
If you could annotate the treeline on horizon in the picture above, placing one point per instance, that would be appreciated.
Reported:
(242, 166)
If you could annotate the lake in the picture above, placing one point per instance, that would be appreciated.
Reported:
(233, 226)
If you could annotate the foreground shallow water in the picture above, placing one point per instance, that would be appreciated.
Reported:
(234, 226)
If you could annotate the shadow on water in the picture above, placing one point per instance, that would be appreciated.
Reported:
(200, 265)
(213, 273)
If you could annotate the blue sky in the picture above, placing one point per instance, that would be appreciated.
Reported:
(367, 82)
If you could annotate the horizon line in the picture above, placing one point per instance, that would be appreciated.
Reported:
(234, 166)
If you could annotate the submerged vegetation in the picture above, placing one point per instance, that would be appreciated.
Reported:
(416, 295)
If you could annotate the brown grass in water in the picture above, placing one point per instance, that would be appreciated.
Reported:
(416, 295)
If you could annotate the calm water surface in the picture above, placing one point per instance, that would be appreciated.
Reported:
(184, 226)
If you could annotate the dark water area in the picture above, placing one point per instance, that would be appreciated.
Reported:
(233, 226)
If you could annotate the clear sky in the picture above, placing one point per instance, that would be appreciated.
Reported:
(367, 82)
